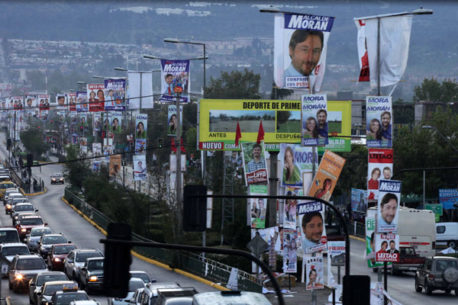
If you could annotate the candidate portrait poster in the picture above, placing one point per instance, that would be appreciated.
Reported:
(115, 122)
(71, 101)
(314, 272)
(387, 247)
(61, 102)
(289, 245)
(380, 166)
(172, 122)
(389, 200)
(141, 125)
(327, 175)
(139, 162)
(254, 163)
(81, 101)
(175, 80)
(31, 105)
(312, 226)
(314, 120)
(370, 239)
(115, 91)
(358, 203)
(300, 46)
(258, 206)
(379, 122)
(96, 97)
(97, 149)
(289, 214)
(297, 163)
(115, 165)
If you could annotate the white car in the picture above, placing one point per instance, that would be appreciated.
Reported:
(134, 284)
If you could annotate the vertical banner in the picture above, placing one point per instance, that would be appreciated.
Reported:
(96, 97)
(327, 175)
(81, 101)
(364, 73)
(358, 203)
(289, 250)
(83, 144)
(115, 165)
(254, 163)
(311, 222)
(97, 124)
(71, 99)
(379, 122)
(175, 78)
(300, 45)
(115, 121)
(380, 167)
(387, 247)
(289, 214)
(370, 240)
(258, 206)
(140, 90)
(314, 272)
(115, 91)
(389, 200)
(97, 149)
(141, 125)
(61, 102)
(43, 105)
(172, 123)
(31, 105)
(139, 162)
(314, 120)
(297, 164)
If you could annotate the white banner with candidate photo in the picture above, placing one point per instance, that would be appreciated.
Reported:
(254, 163)
(387, 247)
(115, 91)
(140, 90)
(141, 127)
(297, 164)
(379, 122)
(115, 121)
(380, 166)
(313, 268)
(172, 122)
(175, 80)
(300, 46)
(139, 162)
(97, 149)
(61, 102)
(289, 245)
(258, 206)
(81, 101)
(96, 97)
(71, 101)
(289, 214)
(314, 120)
(389, 199)
(31, 105)
(312, 226)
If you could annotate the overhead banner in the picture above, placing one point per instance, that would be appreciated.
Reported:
(379, 122)
(140, 90)
(115, 92)
(281, 120)
(254, 161)
(314, 272)
(141, 127)
(139, 162)
(311, 222)
(389, 200)
(387, 248)
(175, 80)
(96, 97)
(297, 163)
(172, 122)
(81, 101)
(314, 120)
(300, 46)
(380, 166)
(71, 98)
(258, 206)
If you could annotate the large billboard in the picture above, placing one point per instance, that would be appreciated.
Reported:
(281, 120)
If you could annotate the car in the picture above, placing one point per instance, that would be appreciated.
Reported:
(23, 268)
(437, 273)
(76, 259)
(38, 281)
(141, 275)
(57, 178)
(4, 178)
(137, 297)
(181, 296)
(22, 207)
(134, 284)
(150, 292)
(66, 296)
(9, 235)
(57, 255)
(4, 186)
(8, 201)
(46, 242)
(46, 292)
(27, 222)
(9, 191)
(33, 238)
(230, 297)
(91, 274)
(8, 252)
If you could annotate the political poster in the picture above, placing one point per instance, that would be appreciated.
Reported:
(115, 165)
(336, 253)
(96, 164)
(314, 120)
(258, 206)
(96, 97)
(327, 175)
(97, 149)
(139, 162)
(61, 102)
(43, 105)
(140, 90)
(339, 127)
(300, 47)
(271, 236)
(387, 247)
(380, 166)
(254, 163)
(172, 122)
(379, 122)
(141, 128)
(448, 198)
(289, 214)
(312, 226)
(389, 200)
(289, 245)
(81, 101)
(83, 144)
(175, 80)
(358, 203)
(97, 124)
(314, 272)
(115, 91)
(71, 101)
(297, 163)
(115, 121)
(370, 239)
(31, 105)
(363, 57)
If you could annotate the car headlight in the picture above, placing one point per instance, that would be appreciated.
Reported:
(18, 277)
(53, 179)
(93, 278)
(56, 259)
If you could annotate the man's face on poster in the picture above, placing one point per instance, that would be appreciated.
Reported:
(169, 79)
(313, 229)
(256, 152)
(321, 117)
(392, 246)
(389, 210)
(306, 54)
(386, 120)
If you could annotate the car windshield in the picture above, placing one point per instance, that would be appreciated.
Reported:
(143, 276)
(50, 277)
(58, 239)
(134, 285)
(67, 297)
(7, 251)
(25, 207)
(40, 231)
(50, 289)
(9, 236)
(95, 264)
(63, 249)
(31, 221)
(57, 175)
(82, 257)
(30, 264)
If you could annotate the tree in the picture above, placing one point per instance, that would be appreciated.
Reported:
(433, 91)
(234, 85)
(33, 142)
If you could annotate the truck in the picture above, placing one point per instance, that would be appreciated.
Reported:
(409, 260)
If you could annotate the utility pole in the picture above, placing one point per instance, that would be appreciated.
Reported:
(178, 165)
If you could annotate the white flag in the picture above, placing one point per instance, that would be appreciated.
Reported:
(140, 90)
(394, 47)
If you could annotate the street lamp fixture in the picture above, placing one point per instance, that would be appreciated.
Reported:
(120, 69)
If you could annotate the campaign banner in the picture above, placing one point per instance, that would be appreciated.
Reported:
(115, 165)
(379, 122)
(380, 166)
(312, 226)
(387, 248)
(370, 240)
(31, 105)
(96, 97)
(437, 209)
(313, 267)
(254, 161)
(115, 93)
(43, 105)
(115, 121)
(139, 162)
(61, 104)
(81, 101)
(289, 214)
(300, 47)
(97, 149)
(314, 120)
(336, 253)
(339, 127)
(97, 123)
(389, 200)
(96, 164)
(297, 163)
(364, 73)
(258, 206)
(289, 245)
(448, 197)
(172, 123)
(358, 202)
(141, 123)
(176, 80)
(140, 90)
(71, 99)
(327, 175)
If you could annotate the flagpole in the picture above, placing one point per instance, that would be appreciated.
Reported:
(378, 56)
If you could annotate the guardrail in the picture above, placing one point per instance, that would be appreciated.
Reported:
(196, 264)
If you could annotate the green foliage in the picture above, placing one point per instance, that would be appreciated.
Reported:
(433, 91)
(32, 139)
(354, 172)
(76, 170)
(234, 85)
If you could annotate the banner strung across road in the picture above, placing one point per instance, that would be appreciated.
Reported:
(140, 90)
(313, 268)
(254, 163)
(297, 163)
(327, 175)
(314, 120)
(379, 122)
(141, 123)
(172, 123)
(115, 92)
(258, 206)
(175, 80)
(300, 46)
(311, 222)
(139, 162)
(96, 97)
(389, 199)
(387, 247)
(380, 167)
